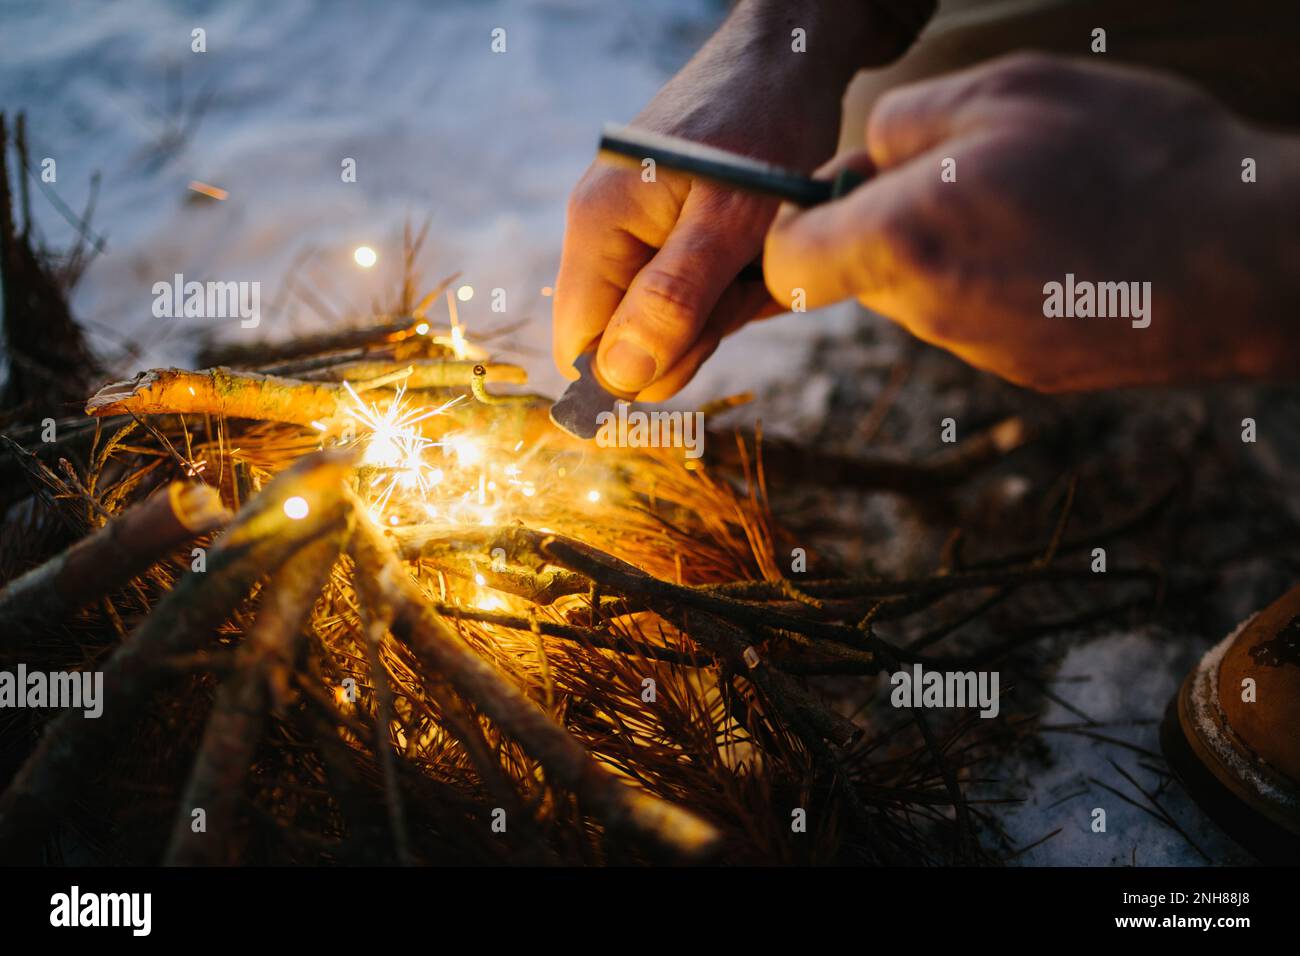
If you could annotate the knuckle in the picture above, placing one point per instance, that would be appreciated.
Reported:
(1020, 72)
(668, 304)
(917, 246)
(891, 105)
(725, 204)
(591, 193)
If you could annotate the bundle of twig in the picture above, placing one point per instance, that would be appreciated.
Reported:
(364, 646)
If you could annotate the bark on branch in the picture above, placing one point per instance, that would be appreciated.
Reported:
(252, 395)
(106, 560)
(239, 714)
(260, 539)
(392, 595)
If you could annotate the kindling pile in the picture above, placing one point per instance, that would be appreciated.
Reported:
(354, 604)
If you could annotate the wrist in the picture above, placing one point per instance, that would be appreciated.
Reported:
(841, 36)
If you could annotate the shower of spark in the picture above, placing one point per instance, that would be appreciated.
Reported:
(395, 447)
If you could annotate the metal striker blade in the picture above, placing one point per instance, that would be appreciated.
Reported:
(583, 400)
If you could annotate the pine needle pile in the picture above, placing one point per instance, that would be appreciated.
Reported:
(354, 603)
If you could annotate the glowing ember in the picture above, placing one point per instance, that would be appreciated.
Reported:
(489, 602)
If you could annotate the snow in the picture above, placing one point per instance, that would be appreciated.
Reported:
(487, 144)
(1122, 682)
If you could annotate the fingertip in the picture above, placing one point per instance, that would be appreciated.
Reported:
(626, 365)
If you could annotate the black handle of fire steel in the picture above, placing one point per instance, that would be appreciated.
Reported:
(624, 144)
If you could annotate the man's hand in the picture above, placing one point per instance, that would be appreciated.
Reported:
(651, 267)
(1113, 175)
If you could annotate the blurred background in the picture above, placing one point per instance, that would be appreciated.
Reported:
(484, 146)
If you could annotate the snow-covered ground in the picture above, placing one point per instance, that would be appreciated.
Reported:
(1122, 682)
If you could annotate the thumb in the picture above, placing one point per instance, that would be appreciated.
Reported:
(852, 246)
(668, 303)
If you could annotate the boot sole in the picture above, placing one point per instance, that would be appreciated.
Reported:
(1255, 807)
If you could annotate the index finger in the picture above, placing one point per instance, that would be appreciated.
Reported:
(597, 264)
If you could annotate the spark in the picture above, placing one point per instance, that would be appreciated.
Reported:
(490, 602)
(468, 452)
(296, 507)
(395, 444)
(458, 345)
(364, 256)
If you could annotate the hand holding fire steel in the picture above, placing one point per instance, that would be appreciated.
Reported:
(1055, 170)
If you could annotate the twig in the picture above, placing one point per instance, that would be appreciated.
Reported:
(239, 712)
(375, 631)
(260, 539)
(588, 636)
(109, 558)
(219, 391)
(796, 463)
(394, 597)
(425, 373)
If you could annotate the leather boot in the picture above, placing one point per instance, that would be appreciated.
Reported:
(1232, 732)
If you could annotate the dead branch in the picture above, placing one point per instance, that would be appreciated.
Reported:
(239, 712)
(247, 354)
(259, 540)
(589, 636)
(388, 588)
(424, 373)
(106, 560)
(628, 579)
(49, 359)
(795, 463)
(219, 391)
(468, 554)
